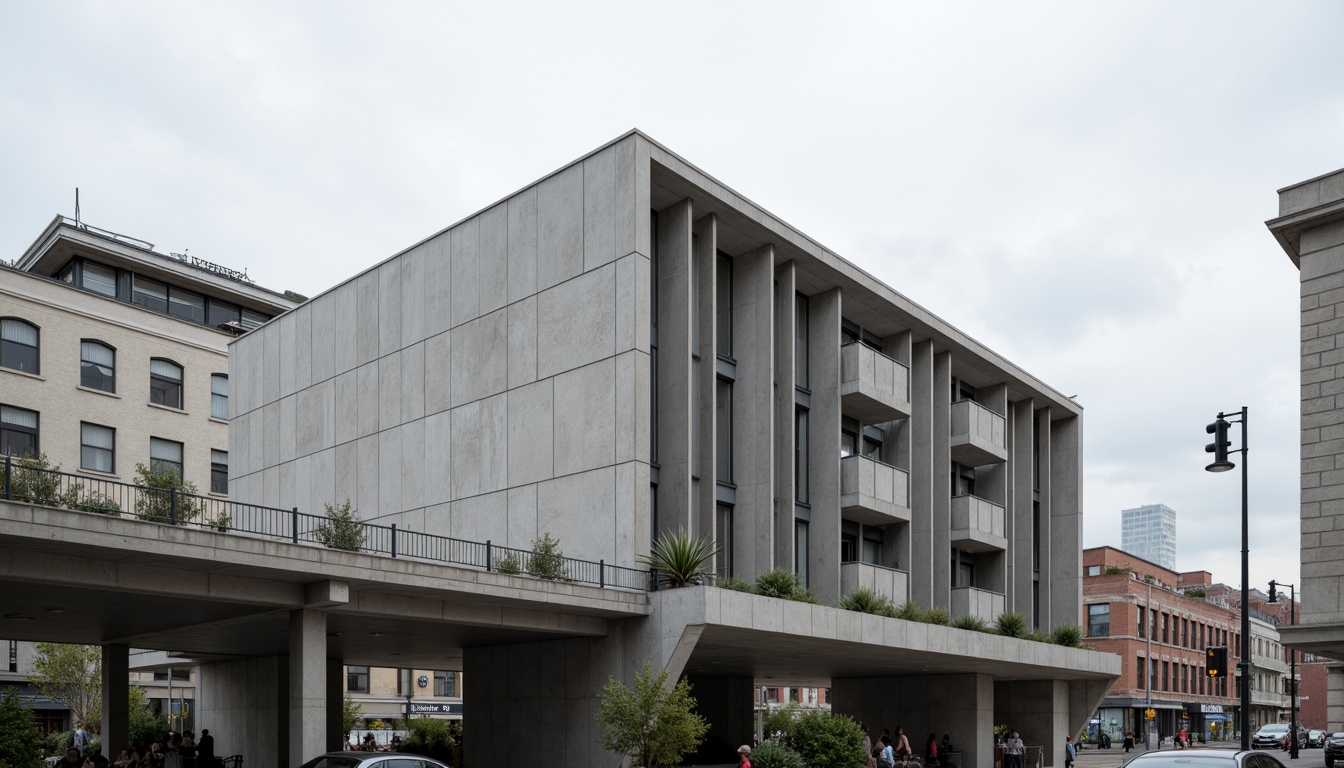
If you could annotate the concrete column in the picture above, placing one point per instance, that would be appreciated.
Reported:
(897, 451)
(336, 735)
(753, 411)
(1020, 527)
(706, 252)
(1044, 590)
(307, 685)
(116, 698)
(823, 444)
(674, 367)
(786, 314)
(961, 706)
(992, 482)
(1066, 521)
(923, 484)
(1039, 711)
(941, 508)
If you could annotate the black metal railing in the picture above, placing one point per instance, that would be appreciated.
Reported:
(171, 506)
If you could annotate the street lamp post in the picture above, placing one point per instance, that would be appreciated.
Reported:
(1292, 658)
(1220, 449)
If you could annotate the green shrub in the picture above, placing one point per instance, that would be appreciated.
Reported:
(20, 741)
(144, 727)
(970, 622)
(678, 560)
(826, 739)
(509, 564)
(910, 611)
(1038, 635)
(936, 616)
(429, 737)
(736, 584)
(784, 584)
(342, 529)
(775, 755)
(223, 522)
(93, 502)
(154, 499)
(1012, 625)
(652, 723)
(33, 479)
(865, 600)
(547, 561)
(1115, 570)
(1070, 635)
(778, 723)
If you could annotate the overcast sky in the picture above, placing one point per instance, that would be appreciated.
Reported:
(1081, 186)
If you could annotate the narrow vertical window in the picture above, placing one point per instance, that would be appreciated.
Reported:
(97, 448)
(219, 396)
(724, 298)
(165, 456)
(723, 430)
(723, 537)
(97, 366)
(165, 383)
(800, 346)
(800, 550)
(18, 431)
(219, 471)
(18, 345)
(800, 465)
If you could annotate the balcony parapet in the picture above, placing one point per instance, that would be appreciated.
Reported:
(977, 525)
(891, 582)
(873, 493)
(973, 601)
(979, 435)
(874, 388)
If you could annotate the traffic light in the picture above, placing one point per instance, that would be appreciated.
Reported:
(1215, 661)
(1219, 446)
(1273, 591)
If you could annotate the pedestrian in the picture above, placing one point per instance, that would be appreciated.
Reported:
(81, 741)
(903, 744)
(70, 760)
(205, 750)
(744, 756)
(868, 747)
(947, 746)
(931, 750)
(1069, 752)
(887, 758)
(1129, 741)
(128, 758)
(187, 749)
(1013, 750)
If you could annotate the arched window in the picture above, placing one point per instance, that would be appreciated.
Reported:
(18, 345)
(97, 366)
(165, 383)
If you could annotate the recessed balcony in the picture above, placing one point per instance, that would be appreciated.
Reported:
(873, 493)
(973, 601)
(891, 582)
(873, 388)
(977, 525)
(979, 435)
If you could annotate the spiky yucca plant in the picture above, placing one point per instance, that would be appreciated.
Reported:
(910, 611)
(936, 616)
(1012, 625)
(679, 560)
(972, 622)
(865, 600)
(785, 584)
(1070, 635)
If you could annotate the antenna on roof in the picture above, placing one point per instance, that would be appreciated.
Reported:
(76, 206)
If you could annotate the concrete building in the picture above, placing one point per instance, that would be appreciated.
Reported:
(1310, 229)
(1139, 610)
(113, 355)
(624, 349)
(1149, 532)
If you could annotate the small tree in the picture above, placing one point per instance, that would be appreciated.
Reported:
(342, 529)
(651, 724)
(350, 714)
(71, 675)
(777, 723)
(144, 726)
(547, 561)
(429, 737)
(154, 499)
(20, 741)
(824, 738)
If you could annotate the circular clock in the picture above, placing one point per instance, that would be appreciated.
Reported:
(423, 681)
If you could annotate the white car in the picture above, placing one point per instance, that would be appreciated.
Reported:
(372, 760)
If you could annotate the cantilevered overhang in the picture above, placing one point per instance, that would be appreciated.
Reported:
(1306, 205)
(799, 644)
(1321, 639)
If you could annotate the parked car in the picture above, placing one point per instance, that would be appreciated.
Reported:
(1203, 758)
(1315, 738)
(1270, 736)
(1302, 738)
(372, 760)
(1334, 748)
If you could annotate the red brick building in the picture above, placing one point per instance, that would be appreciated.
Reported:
(1134, 608)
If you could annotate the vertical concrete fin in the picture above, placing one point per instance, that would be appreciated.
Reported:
(1066, 520)
(786, 335)
(922, 486)
(753, 410)
(941, 509)
(704, 272)
(674, 367)
(1020, 525)
(824, 318)
(1045, 589)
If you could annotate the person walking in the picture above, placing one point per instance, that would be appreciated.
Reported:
(205, 750)
(1013, 751)
(1069, 752)
(888, 757)
(903, 744)
(931, 750)
(81, 741)
(1129, 741)
(744, 756)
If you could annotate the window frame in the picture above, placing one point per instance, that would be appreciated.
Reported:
(449, 682)
(1094, 623)
(13, 428)
(7, 344)
(353, 676)
(181, 381)
(111, 452)
(155, 464)
(215, 472)
(214, 377)
(85, 362)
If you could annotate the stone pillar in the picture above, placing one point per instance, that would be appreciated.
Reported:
(1045, 588)
(753, 411)
(245, 704)
(1020, 524)
(674, 368)
(941, 507)
(116, 732)
(307, 685)
(923, 484)
(1039, 711)
(961, 706)
(1066, 521)
(824, 444)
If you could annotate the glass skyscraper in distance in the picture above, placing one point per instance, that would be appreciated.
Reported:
(1150, 532)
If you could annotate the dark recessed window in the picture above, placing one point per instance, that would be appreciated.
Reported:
(165, 383)
(219, 396)
(186, 305)
(357, 679)
(99, 279)
(18, 431)
(445, 683)
(165, 456)
(97, 366)
(97, 447)
(219, 471)
(1099, 620)
(18, 345)
(723, 537)
(221, 312)
(150, 294)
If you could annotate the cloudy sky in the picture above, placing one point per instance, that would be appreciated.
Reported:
(1081, 186)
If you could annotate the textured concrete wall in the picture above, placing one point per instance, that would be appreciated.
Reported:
(245, 704)
(961, 706)
(491, 382)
